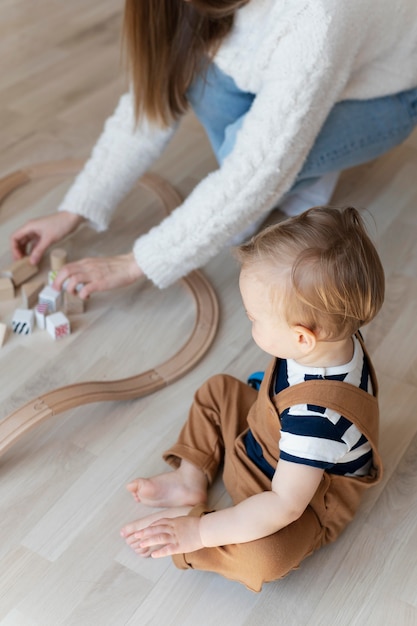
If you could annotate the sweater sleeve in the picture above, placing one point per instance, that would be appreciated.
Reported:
(121, 155)
(307, 71)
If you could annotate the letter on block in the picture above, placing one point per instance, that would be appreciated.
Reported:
(58, 325)
(51, 297)
(52, 274)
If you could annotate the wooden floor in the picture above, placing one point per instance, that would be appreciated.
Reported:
(62, 496)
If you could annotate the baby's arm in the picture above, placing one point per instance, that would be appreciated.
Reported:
(293, 486)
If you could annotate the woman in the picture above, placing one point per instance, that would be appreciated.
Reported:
(289, 91)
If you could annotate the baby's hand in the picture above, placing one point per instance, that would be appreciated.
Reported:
(169, 536)
(178, 531)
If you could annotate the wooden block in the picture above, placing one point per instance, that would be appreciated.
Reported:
(51, 297)
(20, 271)
(3, 330)
(58, 325)
(30, 293)
(22, 322)
(6, 289)
(73, 304)
(58, 258)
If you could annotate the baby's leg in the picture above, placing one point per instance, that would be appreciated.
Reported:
(218, 415)
(219, 411)
(264, 560)
(185, 486)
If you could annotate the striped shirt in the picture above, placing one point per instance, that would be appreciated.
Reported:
(318, 436)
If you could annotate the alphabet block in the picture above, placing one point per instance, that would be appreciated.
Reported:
(58, 325)
(51, 297)
(22, 322)
(41, 311)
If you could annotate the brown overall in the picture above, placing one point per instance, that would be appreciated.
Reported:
(222, 411)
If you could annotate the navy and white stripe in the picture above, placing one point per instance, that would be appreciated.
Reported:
(21, 327)
(318, 436)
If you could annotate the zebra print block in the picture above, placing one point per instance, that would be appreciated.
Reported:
(22, 322)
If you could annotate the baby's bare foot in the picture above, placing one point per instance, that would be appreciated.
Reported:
(186, 486)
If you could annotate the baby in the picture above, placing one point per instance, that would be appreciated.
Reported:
(298, 454)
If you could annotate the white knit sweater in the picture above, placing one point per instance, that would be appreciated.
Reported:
(299, 57)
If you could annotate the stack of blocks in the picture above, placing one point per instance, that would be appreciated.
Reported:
(51, 297)
(39, 301)
(41, 311)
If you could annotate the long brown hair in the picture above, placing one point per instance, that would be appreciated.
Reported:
(167, 43)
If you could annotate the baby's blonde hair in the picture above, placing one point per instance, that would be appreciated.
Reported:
(336, 280)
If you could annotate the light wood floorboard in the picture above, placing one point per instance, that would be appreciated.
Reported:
(62, 496)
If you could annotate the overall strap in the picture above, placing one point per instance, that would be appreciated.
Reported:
(357, 405)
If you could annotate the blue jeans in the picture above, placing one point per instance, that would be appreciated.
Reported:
(355, 131)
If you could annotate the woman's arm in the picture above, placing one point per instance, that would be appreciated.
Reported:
(121, 155)
(306, 76)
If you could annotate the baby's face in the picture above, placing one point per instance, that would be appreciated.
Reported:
(270, 329)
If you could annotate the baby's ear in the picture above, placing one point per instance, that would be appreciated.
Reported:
(306, 339)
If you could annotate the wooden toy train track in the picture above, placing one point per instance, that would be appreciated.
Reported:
(59, 400)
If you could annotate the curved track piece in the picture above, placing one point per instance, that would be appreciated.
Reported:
(59, 400)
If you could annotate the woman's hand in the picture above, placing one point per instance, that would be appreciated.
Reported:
(98, 274)
(37, 235)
